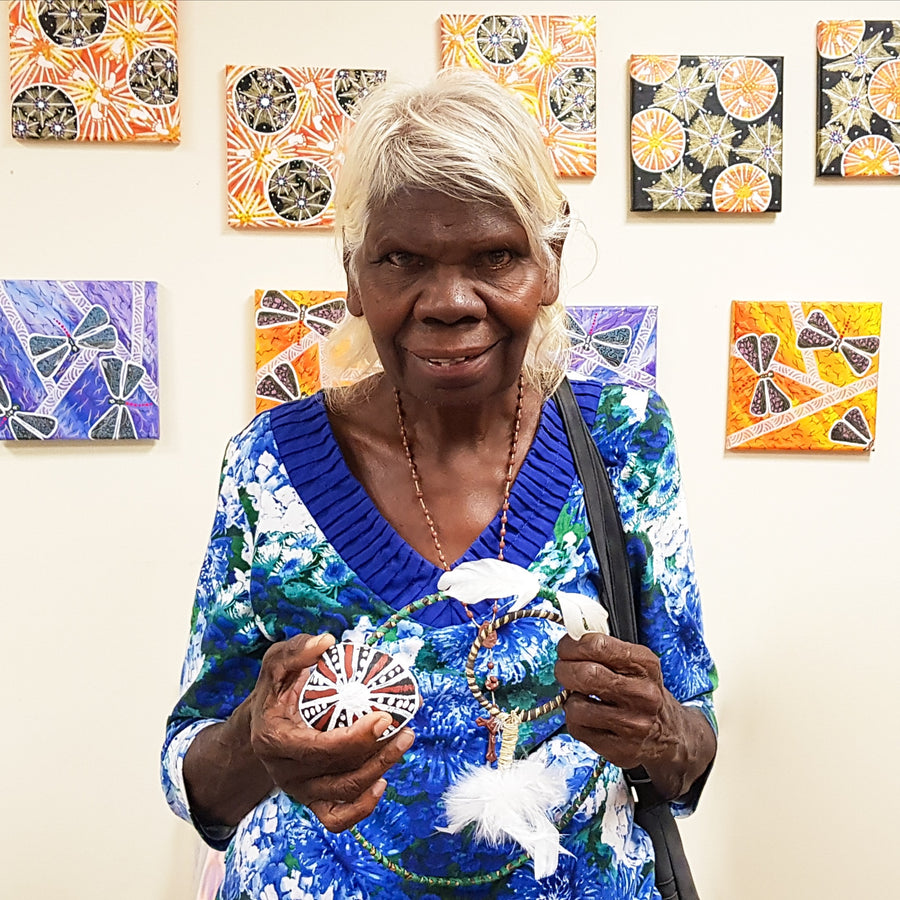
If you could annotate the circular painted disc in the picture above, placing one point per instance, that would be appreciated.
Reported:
(352, 680)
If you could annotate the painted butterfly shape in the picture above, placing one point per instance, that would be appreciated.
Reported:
(276, 309)
(93, 332)
(122, 380)
(281, 384)
(758, 351)
(852, 428)
(611, 345)
(24, 426)
(819, 334)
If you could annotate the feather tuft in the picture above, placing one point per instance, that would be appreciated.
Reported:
(513, 803)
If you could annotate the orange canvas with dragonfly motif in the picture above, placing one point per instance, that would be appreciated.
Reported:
(290, 326)
(803, 376)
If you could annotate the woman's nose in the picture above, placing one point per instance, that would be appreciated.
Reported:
(448, 295)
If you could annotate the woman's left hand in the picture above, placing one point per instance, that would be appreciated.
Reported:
(621, 709)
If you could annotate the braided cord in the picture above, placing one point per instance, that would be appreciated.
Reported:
(485, 877)
(527, 716)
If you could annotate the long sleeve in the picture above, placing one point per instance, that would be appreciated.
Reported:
(225, 645)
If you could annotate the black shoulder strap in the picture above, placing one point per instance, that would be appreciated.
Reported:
(607, 536)
(652, 813)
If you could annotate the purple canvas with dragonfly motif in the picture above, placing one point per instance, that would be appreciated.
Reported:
(78, 360)
(614, 343)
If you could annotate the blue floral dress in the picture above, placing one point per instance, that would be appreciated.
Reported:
(298, 546)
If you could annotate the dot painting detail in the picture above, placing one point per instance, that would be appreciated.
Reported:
(706, 133)
(549, 62)
(284, 141)
(859, 98)
(94, 70)
(351, 680)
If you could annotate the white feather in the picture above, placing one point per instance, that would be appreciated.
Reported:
(489, 579)
(582, 614)
(515, 803)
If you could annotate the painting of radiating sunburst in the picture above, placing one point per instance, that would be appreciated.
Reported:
(78, 360)
(706, 133)
(614, 343)
(550, 62)
(803, 375)
(94, 70)
(290, 328)
(284, 131)
(859, 98)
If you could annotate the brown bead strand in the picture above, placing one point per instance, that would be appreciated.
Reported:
(507, 486)
(486, 631)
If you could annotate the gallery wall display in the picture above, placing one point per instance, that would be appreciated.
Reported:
(284, 136)
(859, 98)
(290, 326)
(78, 360)
(706, 133)
(803, 376)
(614, 343)
(550, 62)
(94, 70)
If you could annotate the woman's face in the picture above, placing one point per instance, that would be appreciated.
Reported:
(450, 290)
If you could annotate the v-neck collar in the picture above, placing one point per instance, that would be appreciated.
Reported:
(368, 543)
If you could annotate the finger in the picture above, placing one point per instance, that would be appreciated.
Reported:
(285, 661)
(619, 656)
(594, 678)
(348, 785)
(338, 817)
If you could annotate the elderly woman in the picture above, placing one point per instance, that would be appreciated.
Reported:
(338, 514)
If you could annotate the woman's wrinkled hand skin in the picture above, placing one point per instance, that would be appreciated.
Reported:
(337, 774)
(621, 709)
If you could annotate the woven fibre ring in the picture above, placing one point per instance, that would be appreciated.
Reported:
(528, 715)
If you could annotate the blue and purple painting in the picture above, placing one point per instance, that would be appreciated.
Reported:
(614, 343)
(78, 360)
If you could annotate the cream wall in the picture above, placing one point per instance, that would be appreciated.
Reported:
(100, 546)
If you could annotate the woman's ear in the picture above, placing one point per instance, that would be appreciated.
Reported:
(354, 304)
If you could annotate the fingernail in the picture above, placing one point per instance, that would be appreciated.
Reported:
(378, 787)
(405, 740)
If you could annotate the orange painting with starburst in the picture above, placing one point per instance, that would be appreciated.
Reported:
(803, 376)
(285, 130)
(550, 62)
(290, 328)
(94, 70)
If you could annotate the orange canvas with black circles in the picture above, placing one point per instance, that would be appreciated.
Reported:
(550, 62)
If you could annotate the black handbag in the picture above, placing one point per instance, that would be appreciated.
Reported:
(652, 812)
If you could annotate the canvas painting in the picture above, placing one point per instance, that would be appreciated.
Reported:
(859, 98)
(803, 376)
(78, 360)
(94, 70)
(614, 343)
(550, 62)
(290, 326)
(706, 133)
(284, 139)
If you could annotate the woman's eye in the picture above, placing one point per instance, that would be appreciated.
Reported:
(400, 259)
(497, 259)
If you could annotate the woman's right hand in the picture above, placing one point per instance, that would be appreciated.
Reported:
(338, 774)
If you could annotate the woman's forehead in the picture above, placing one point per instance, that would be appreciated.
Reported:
(415, 209)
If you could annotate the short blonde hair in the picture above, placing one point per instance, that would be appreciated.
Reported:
(464, 135)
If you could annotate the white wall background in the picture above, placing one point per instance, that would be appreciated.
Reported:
(100, 546)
